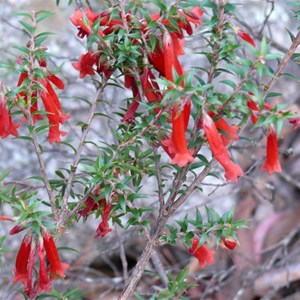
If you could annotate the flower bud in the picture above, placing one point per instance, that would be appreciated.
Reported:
(228, 243)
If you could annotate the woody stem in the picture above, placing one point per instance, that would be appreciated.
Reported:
(140, 267)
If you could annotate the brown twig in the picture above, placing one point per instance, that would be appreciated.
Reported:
(122, 254)
(159, 179)
(267, 17)
(159, 268)
(64, 209)
(282, 64)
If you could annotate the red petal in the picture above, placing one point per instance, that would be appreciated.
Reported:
(57, 81)
(56, 268)
(232, 171)
(44, 283)
(21, 269)
(230, 131)
(272, 164)
(202, 253)
(246, 37)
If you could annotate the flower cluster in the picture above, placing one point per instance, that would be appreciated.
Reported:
(49, 98)
(34, 242)
(163, 58)
(25, 261)
(155, 53)
(91, 205)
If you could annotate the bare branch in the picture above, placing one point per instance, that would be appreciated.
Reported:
(64, 208)
(283, 63)
(122, 254)
(159, 179)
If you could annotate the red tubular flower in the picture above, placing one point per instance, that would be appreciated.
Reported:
(202, 253)
(29, 289)
(56, 267)
(246, 37)
(18, 228)
(182, 154)
(295, 122)
(55, 114)
(253, 106)
(150, 87)
(51, 103)
(7, 126)
(85, 64)
(178, 143)
(194, 16)
(21, 268)
(78, 20)
(232, 171)
(228, 243)
(7, 218)
(92, 205)
(156, 58)
(272, 164)
(56, 81)
(230, 131)
(44, 282)
(103, 229)
(130, 114)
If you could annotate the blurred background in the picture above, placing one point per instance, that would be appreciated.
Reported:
(266, 264)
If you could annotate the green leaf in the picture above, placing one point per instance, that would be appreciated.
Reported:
(198, 217)
(4, 174)
(29, 28)
(182, 275)
(203, 159)
(159, 3)
(229, 83)
(22, 49)
(270, 56)
(40, 38)
(263, 47)
(228, 216)
(43, 14)
(122, 202)
(279, 125)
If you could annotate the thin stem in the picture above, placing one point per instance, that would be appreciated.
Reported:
(64, 209)
(44, 173)
(283, 63)
(193, 186)
(159, 267)
(122, 254)
(159, 179)
(267, 17)
(33, 133)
